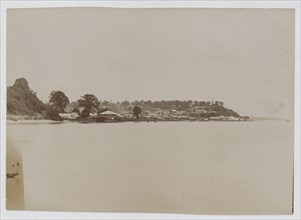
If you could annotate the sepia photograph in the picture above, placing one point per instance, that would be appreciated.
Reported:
(150, 110)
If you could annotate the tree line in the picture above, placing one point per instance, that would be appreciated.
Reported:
(21, 95)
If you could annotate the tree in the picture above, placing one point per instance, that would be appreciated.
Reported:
(22, 83)
(105, 103)
(59, 100)
(21, 100)
(137, 111)
(76, 110)
(53, 114)
(89, 102)
(125, 103)
(103, 109)
(85, 113)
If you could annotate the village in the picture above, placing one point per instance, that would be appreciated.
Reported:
(119, 114)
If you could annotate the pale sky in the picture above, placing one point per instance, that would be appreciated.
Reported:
(243, 57)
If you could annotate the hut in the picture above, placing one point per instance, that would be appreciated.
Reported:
(108, 116)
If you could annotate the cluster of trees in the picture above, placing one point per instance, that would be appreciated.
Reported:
(21, 100)
(163, 104)
(89, 103)
(59, 101)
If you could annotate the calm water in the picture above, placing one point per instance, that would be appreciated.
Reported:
(165, 167)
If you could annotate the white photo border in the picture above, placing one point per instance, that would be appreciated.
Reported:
(147, 4)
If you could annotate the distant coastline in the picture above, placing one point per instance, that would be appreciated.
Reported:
(263, 118)
(44, 121)
(23, 104)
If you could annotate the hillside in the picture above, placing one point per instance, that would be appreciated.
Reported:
(22, 101)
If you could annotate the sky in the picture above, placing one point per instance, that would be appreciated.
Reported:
(243, 57)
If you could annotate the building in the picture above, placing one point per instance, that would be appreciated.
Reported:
(107, 116)
(69, 116)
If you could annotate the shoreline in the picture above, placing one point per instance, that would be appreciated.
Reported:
(46, 121)
(10, 121)
(32, 121)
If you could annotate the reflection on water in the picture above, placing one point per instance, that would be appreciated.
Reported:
(170, 167)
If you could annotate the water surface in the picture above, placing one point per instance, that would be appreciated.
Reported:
(164, 167)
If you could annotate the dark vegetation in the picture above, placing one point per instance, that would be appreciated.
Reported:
(59, 100)
(137, 111)
(89, 103)
(22, 101)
